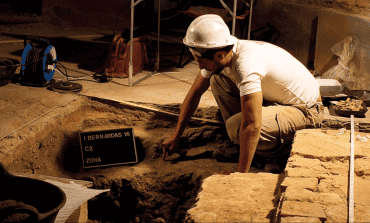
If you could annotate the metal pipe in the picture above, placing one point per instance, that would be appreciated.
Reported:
(226, 7)
(234, 17)
(131, 43)
(250, 20)
(158, 35)
(137, 2)
(156, 68)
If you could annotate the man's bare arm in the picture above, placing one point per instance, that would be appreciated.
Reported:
(250, 129)
(188, 108)
(191, 102)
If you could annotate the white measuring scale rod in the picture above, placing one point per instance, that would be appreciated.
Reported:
(351, 174)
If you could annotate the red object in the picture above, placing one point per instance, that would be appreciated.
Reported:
(110, 64)
(118, 61)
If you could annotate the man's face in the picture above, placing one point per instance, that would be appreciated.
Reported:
(204, 63)
(217, 61)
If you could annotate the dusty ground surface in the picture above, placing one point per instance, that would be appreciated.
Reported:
(154, 188)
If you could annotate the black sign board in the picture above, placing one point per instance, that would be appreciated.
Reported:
(108, 147)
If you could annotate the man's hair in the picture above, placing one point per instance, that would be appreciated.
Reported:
(210, 53)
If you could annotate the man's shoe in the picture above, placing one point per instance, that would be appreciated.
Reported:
(260, 161)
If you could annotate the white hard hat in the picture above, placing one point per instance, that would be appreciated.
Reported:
(209, 31)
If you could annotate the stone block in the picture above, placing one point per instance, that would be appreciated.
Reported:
(362, 213)
(362, 167)
(327, 199)
(303, 195)
(306, 173)
(326, 186)
(361, 188)
(336, 213)
(336, 168)
(312, 143)
(299, 161)
(303, 209)
(298, 194)
(238, 197)
(304, 183)
(299, 219)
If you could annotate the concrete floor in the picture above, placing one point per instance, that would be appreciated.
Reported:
(163, 87)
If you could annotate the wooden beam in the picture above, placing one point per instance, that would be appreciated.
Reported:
(148, 109)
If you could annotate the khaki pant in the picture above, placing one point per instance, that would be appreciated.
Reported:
(279, 124)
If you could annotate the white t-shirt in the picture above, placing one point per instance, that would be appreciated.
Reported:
(261, 66)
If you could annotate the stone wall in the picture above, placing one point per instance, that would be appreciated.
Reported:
(315, 188)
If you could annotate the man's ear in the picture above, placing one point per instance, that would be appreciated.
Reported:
(219, 55)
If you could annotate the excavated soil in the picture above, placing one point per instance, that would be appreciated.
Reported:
(152, 190)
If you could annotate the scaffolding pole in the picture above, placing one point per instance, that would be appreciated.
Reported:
(156, 68)
(250, 20)
(234, 17)
(233, 14)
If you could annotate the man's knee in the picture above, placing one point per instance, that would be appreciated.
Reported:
(233, 126)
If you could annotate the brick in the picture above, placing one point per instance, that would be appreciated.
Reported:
(337, 213)
(299, 219)
(327, 199)
(303, 195)
(326, 186)
(306, 173)
(226, 198)
(362, 167)
(298, 161)
(304, 209)
(305, 183)
(298, 194)
(312, 143)
(336, 168)
(361, 189)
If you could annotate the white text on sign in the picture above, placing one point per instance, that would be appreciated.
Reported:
(103, 136)
(93, 160)
(88, 148)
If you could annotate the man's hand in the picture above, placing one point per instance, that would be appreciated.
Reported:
(169, 146)
(190, 104)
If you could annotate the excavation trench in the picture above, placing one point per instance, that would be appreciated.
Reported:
(152, 190)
